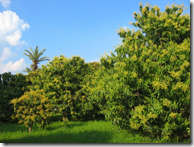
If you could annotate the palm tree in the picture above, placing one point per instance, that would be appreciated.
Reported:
(35, 57)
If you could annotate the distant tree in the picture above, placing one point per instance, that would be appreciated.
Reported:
(35, 57)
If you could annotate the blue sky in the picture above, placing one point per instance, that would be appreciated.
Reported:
(69, 27)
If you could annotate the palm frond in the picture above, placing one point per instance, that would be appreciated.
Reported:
(36, 52)
(43, 59)
(27, 70)
(29, 53)
(41, 52)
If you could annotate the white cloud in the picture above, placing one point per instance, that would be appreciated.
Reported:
(6, 54)
(11, 28)
(13, 39)
(13, 67)
(5, 3)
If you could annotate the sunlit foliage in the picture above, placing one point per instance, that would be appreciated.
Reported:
(145, 84)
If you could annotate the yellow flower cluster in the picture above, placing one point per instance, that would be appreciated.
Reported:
(163, 85)
(156, 8)
(125, 73)
(159, 85)
(139, 109)
(140, 80)
(20, 121)
(134, 14)
(127, 30)
(151, 115)
(173, 115)
(134, 57)
(156, 84)
(165, 52)
(116, 75)
(148, 60)
(14, 101)
(134, 75)
(186, 63)
(173, 58)
(39, 107)
(140, 4)
(151, 14)
(144, 9)
(122, 30)
(55, 80)
(175, 74)
(134, 125)
(140, 59)
(180, 11)
(185, 87)
(131, 48)
(166, 102)
(166, 7)
(138, 33)
(143, 119)
(138, 17)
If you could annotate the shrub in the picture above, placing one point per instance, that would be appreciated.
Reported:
(32, 107)
(145, 86)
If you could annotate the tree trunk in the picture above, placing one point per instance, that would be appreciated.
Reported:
(30, 129)
(65, 119)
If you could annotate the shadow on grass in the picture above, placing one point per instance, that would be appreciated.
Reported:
(65, 137)
(74, 124)
(56, 117)
(12, 127)
(62, 124)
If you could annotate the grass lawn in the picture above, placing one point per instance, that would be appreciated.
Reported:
(74, 132)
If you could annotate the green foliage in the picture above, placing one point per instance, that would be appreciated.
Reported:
(11, 86)
(32, 107)
(92, 110)
(145, 85)
(61, 80)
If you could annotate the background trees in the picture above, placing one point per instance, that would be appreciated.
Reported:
(11, 86)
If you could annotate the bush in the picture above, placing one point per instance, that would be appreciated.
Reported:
(61, 80)
(11, 86)
(145, 85)
(32, 107)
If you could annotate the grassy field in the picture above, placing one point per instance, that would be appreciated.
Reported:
(73, 132)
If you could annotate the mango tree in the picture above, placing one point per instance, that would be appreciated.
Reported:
(61, 80)
(32, 107)
(145, 84)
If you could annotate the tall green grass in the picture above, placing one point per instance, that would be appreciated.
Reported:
(72, 132)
